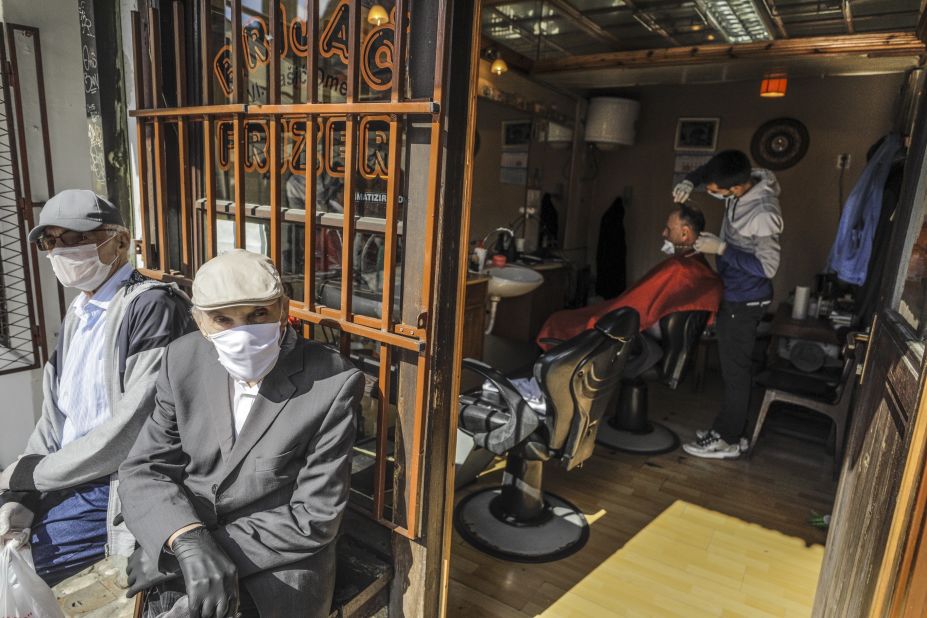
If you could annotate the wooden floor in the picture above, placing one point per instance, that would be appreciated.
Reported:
(778, 488)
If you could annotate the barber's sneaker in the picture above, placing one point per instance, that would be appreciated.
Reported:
(744, 444)
(712, 446)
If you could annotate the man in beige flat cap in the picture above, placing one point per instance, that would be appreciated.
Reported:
(236, 486)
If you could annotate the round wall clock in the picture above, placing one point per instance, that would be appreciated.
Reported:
(779, 144)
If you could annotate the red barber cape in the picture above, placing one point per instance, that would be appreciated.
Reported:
(677, 283)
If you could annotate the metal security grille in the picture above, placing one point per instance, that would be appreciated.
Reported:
(289, 131)
(21, 344)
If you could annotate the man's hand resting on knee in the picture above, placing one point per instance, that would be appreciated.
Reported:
(211, 579)
(15, 520)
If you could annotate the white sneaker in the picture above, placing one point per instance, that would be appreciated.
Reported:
(744, 444)
(712, 446)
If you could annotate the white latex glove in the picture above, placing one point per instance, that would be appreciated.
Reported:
(709, 243)
(15, 520)
(682, 191)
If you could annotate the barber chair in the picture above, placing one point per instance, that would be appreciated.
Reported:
(629, 428)
(577, 380)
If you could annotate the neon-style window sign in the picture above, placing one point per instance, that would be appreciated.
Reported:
(376, 48)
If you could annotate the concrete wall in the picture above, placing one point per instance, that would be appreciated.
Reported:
(57, 21)
(843, 115)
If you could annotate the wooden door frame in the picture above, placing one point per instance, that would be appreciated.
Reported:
(911, 502)
(908, 509)
(890, 357)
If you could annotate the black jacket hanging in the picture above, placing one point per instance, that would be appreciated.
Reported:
(612, 253)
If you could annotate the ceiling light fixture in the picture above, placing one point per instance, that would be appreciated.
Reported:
(499, 66)
(377, 15)
(774, 85)
(738, 21)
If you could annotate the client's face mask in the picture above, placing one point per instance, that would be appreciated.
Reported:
(80, 267)
(248, 352)
(668, 248)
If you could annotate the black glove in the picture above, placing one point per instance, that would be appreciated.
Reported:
(211, 578)
(143, 572)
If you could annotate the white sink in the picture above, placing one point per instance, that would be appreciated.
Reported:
(509, 281)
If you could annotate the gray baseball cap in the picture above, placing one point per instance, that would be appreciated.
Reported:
(80, 210)
(234, 279)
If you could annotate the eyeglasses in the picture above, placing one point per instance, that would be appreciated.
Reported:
(46, 242)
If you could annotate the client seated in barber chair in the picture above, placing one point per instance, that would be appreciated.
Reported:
(682, 282)
(575, 382)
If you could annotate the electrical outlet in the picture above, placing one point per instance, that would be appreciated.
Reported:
(843, 161)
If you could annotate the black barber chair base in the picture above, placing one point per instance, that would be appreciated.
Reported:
(630, 430)
(560, 531)
(519, 521)
(655, 440)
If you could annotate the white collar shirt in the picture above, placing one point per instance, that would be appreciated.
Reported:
(243, 398)
(82, 396)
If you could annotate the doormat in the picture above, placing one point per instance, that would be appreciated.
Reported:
(691, 561)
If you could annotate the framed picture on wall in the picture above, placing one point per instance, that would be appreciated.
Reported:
(697, 134)
(516, 134)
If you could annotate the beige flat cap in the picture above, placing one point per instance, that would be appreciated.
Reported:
(236, 278)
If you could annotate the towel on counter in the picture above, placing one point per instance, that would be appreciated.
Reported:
(678, 283)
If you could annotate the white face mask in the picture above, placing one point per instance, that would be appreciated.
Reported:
(248, 352)
(80, 267)
(718, 196)
(668, 248)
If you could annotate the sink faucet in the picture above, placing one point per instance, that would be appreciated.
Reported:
(499, 230)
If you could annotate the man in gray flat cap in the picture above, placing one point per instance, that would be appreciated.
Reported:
(98, 389)
(241, 474)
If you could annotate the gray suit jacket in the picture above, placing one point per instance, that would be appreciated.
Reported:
(274, 497)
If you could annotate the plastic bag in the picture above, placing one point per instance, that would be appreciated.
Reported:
(23, 594)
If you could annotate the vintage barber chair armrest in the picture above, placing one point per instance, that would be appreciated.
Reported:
(551, 341)
(522, 421)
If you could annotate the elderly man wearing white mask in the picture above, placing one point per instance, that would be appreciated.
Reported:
(98, 389)
(238, 481)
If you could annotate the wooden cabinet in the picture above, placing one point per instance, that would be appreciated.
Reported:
(522, 317)
(474, 318)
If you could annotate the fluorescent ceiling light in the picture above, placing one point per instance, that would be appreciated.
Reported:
(738, 21)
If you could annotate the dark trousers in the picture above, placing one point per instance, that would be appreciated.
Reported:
(69, 530)
(736, 328)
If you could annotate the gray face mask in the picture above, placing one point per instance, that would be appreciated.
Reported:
(718, 196)
(668, 248)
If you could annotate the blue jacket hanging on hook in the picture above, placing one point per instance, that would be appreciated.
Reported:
(849, 257)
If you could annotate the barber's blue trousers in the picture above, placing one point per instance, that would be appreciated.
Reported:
(69, 530)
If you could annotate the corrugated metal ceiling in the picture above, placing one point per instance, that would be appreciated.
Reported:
(551, 29)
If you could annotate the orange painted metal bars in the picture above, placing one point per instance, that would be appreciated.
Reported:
(296, 109)
(183, 169)
(273, 137)
(209, 187)
(142, 138)
(397, 110)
